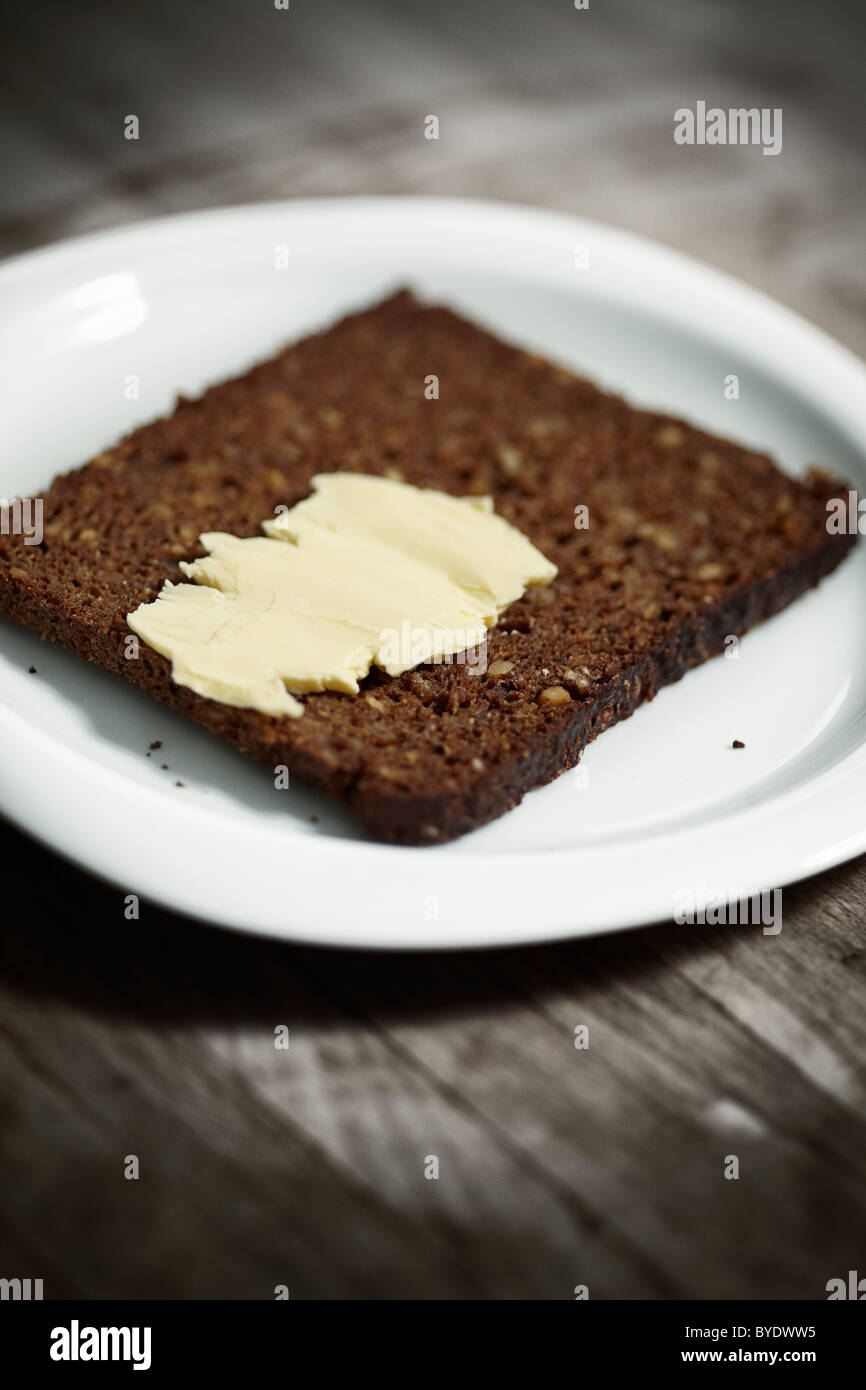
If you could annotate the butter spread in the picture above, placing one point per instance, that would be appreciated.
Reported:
(364, 571)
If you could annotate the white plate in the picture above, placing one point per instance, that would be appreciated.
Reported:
(669, 807)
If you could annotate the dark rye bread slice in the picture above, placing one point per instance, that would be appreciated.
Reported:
(690, 539)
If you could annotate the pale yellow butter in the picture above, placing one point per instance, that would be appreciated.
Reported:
(364, 571)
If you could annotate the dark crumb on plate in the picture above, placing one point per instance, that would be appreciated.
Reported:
(164, 767)
(32, 671)
(737, 744)
(180, 784)
(156, 744)
(315, 820)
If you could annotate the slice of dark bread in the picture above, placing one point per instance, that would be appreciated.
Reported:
(690, 539)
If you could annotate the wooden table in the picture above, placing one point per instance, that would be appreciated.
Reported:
(305, 1166)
